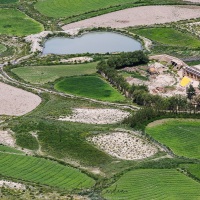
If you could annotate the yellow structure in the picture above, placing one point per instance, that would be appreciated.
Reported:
(185, 81)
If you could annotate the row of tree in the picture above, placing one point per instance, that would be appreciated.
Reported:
(127, 59)
(140, 94)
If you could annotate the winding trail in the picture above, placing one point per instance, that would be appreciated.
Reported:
(39, 90)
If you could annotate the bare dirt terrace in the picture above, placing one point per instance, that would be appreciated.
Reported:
(146, 15)
(124, 145)
(96, 116)
(15, 101)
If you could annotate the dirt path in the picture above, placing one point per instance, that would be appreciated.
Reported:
(136, 17)
(7, 78)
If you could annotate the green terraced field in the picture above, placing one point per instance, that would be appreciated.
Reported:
(151, 184)
(9, 149)
(89, 86)
(169, 36)
(2, 48)
(66, 8)
(181, 136)
(194, 169)
(16, 23)
(45, 74)
(42, 171)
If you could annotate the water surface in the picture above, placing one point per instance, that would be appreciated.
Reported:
(94, 42)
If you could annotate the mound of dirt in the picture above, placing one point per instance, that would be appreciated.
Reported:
(15, 101)
(124, 146)
(96, 116)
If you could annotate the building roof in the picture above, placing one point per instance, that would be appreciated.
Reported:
(185, 81)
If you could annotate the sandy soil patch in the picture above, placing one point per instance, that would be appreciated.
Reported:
(136, 17)
(163, 121)
(124, 146)
(77, 60)
(96, 116)
(6, 138)
(194, 1)
(12, 185)
(15, 101)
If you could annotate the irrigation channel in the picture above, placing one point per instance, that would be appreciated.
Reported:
(93, 42)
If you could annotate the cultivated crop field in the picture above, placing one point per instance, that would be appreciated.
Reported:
(151, 184)
(66, 8)
(43, 171)
(16, 23)
(169, 36)
(44, 74)
(9, 149)
(89, 86)
(181, 136)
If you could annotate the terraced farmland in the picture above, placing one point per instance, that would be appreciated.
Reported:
(16, 23)
(89, 86)
(66, 8)
(181, 136)
(151, 184)
(44, 74)
(9, 149)
(43, 171)
(169, 36)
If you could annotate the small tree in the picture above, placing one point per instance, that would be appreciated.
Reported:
(190, 92)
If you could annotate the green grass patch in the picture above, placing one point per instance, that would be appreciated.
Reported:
(45, 74)
(14, 22)
(42, 171)
(89, 86)
(193, 169)
(134, 75)
(9, 149)
(169, 36)
(67, 8)
(62, 139)
(181, 136)
(26, 140)
(8, 1)
(2, 48)
(153, 184)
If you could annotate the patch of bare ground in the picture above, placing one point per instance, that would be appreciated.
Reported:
(7, 139)
(15, 101)
(163, 121)
(136, 17)
(124, 145)
(96, 116)
(194, 1)
(12, 185)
